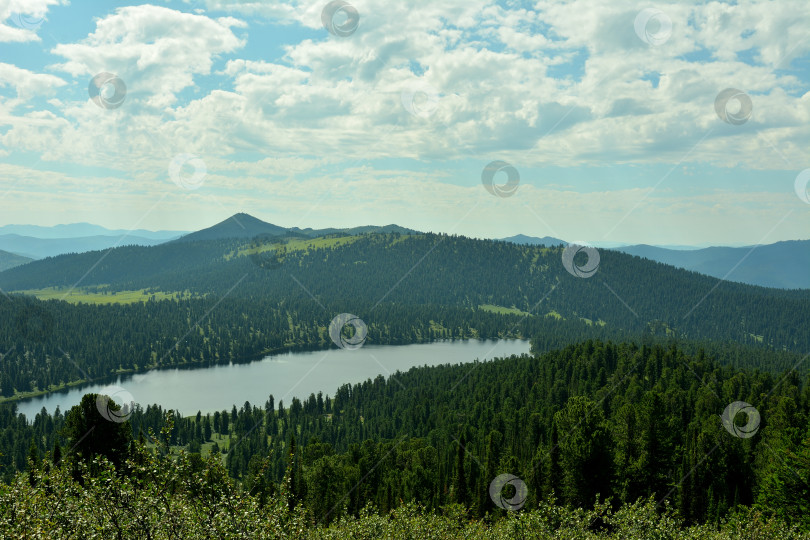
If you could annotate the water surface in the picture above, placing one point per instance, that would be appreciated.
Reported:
(287, 375)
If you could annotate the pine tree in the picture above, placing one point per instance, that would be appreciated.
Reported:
(289, 486)
(6, 388)
(460, 483)
(33, 463)
(553, 475)
(57, 453)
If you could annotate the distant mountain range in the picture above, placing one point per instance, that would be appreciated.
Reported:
(26, 242)
(76, 230)
(38, 248)
(37, 242)
(783, 265)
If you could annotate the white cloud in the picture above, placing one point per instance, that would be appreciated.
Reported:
(505, 102)
(20, 19)
(565, 83)
(341, 97)
(27, 83)
(155, 50)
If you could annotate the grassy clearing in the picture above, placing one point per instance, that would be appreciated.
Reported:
(589, 322)
(82, 295)
(502, 310)
(296, 244)
(303, 244)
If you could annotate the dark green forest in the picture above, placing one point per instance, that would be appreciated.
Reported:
(242, 310)
(614, 424)
(595, 426)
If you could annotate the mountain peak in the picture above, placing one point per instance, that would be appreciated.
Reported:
(240, 225)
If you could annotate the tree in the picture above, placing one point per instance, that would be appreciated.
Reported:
(586, 458)
(290, 483)
(785, 491)
(6, 388)
(57, 453)
(90, 434)
(552, 469)
(460, 481)
(33, 463)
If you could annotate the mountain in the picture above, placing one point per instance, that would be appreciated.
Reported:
(37, 248)
(534, 240)
(74, 230)
(237, 226)
(551, 241)
(435, 276)
(246, 226)
(363, 229)
(784, 265)
(10, 260)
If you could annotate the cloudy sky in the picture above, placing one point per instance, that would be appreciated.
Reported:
(607, 121)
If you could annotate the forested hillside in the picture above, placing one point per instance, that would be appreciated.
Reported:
(236, 300)
(10, 260)
(592, 422)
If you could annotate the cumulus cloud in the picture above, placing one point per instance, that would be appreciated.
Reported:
(20, 19)
(571, 76)
(27, 83)
(558, 83)
(507, 82)
(156, 50)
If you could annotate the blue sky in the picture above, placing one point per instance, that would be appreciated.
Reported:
(608, 111)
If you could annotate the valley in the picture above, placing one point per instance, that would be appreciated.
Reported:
(285, 270)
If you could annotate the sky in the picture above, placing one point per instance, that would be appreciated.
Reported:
(596, 121)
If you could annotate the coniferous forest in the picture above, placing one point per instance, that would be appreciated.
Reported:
(291, 269)
(608, 439)
(229, 307)
(628, 416)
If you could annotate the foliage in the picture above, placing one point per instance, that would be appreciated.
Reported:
(614, 421)
(166, 498)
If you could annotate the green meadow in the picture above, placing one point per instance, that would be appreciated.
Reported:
(82, 295)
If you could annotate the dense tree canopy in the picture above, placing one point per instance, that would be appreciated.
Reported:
(627, 411)
(594, 421)
(407, 289)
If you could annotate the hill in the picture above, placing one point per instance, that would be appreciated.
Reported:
(363, 229)
(627, 292)
(10, 260)
(246, 226)
(407, 288)
(534, 240)
(237, 226)
(782, 264)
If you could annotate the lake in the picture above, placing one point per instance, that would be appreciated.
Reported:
(287, 375)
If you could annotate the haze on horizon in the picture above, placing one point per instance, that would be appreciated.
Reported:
(613, 119)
